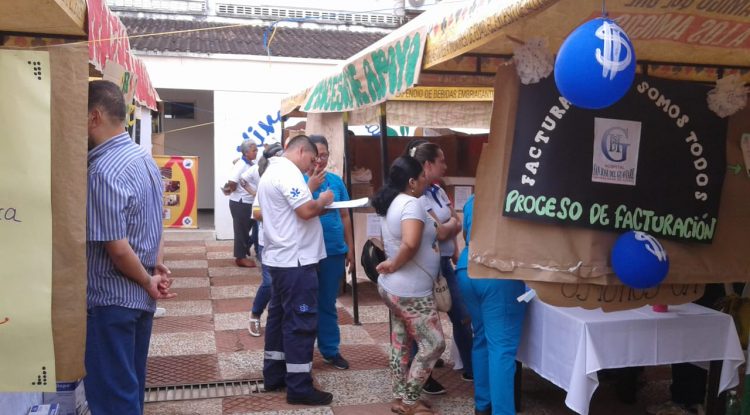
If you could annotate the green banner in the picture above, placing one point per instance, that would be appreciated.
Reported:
(370, 78)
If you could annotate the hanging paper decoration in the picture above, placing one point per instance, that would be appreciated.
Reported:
(729, 96)
(533, 60)
(639, 260)
(595, 65)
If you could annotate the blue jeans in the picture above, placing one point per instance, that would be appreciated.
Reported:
(117, 340)
(458, 315)
(291, 329)
(497, 319)
(263, 295)
(329, 275)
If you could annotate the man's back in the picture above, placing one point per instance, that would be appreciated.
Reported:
(290, 241)
(124, 202)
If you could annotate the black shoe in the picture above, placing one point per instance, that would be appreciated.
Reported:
(316, 398)
(468, 377)
(433, 387)
(337, 361)
(273, 388)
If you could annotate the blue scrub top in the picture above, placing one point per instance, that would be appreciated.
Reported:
(333, 228)
(463, 259)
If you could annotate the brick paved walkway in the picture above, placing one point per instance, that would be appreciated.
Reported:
(204, 338)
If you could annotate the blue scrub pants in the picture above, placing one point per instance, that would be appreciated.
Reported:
(458, 315)
(497, 319)
(117, 340)
(291, 329)
(263, 295)
(329, 275)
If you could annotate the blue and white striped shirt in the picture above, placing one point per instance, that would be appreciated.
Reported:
(124, 202)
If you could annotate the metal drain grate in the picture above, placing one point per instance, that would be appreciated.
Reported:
(204, 390)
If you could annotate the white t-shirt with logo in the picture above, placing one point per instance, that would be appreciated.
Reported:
(290, 241)
(411, 280)
(239, 194)
(436, 200)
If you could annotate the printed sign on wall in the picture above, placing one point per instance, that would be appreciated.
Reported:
(653, 162)
(27, 355)
(179, 174)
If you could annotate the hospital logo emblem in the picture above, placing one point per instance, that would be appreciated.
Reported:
(295, 193)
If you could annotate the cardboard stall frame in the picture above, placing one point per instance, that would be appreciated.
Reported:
(26, 24)
(487, 31)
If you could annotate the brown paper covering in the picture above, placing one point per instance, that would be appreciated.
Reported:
(69, 150)
(502, 247)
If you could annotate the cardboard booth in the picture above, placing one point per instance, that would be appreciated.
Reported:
(547, 210)
(45, 50)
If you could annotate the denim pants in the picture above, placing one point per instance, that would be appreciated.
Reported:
(117, 340)
(458, 315)
(263, 295)
(497, 319)
(291, 329)
(330, 271)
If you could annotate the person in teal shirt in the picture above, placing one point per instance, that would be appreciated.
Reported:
(497, 319)
(337, 235)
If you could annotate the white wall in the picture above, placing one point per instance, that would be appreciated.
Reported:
(246, 90)
(193, 137)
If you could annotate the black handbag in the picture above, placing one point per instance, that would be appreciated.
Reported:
(372, 255)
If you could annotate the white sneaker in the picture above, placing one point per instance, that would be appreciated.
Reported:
(254, 327)
(160, 312)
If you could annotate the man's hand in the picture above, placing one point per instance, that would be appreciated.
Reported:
(155, 290)
(164, 284)
(326, 198)
(316, 179)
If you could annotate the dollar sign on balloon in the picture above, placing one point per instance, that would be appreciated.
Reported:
(595, 65)
(610, 58)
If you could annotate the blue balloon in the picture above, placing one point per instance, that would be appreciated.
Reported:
(595, 65)
(639, 260)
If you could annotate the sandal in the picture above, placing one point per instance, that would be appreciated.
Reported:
(418, 408)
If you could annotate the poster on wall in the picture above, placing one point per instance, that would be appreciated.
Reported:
(26, 347)
(655, 161)
(179, 174)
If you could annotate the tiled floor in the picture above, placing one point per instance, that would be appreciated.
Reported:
(203, 338)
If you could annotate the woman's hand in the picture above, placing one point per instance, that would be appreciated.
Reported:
(386, 267)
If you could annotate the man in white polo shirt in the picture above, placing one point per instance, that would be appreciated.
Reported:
(294, 244)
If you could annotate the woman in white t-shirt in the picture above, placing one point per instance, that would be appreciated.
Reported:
(437, 205)
(241, 203)
(406, 282)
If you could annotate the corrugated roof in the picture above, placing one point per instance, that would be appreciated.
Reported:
(245, 40)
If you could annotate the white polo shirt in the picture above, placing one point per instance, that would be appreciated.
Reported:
(290, 241)
(436, 200)
(239, 194)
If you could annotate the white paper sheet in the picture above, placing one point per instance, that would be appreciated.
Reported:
(356, 203)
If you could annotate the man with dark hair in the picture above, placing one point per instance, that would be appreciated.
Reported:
(124, 257)
(293, 240)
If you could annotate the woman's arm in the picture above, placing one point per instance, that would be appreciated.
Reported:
(348, 236)
(411, 238)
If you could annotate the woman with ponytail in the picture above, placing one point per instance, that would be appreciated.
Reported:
(406, 282)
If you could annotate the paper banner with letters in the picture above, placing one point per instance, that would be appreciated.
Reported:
(26, 349)
(179, 174)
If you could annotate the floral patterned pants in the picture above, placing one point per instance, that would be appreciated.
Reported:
(413, 318)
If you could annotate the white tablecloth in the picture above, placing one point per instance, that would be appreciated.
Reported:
(567, 346)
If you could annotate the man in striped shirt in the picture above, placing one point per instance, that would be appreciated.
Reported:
(124, 257)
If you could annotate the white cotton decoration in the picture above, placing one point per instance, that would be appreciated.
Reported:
(729, 96)
(533, 60)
